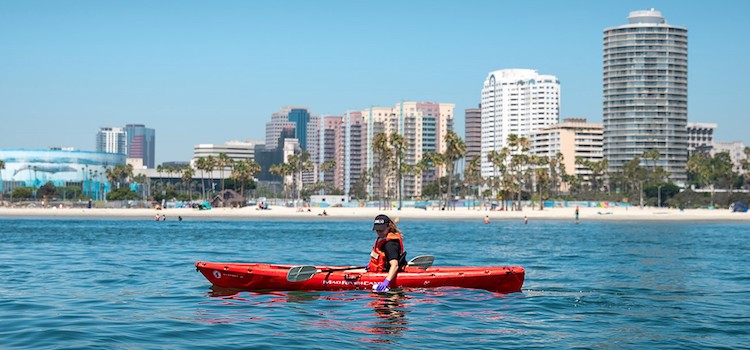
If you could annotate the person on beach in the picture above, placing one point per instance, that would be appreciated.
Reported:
(576, 214)
(486, 219)
(388, 254)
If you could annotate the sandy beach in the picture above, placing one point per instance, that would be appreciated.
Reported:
(283, 213)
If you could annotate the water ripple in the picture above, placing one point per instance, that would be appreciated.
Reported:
(131, 284)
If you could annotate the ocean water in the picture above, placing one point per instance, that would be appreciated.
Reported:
(131, 284)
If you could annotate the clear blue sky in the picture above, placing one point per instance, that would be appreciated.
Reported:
(212, 71)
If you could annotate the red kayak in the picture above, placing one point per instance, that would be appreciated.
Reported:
(260, 276)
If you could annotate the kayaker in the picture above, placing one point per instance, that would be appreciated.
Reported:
(388, 253)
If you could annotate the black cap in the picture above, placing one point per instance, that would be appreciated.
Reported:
(381, 222)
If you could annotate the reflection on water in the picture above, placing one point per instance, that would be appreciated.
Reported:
(391, 310)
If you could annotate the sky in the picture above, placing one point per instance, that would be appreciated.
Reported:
(212, 71)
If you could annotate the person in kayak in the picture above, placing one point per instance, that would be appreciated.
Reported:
(388, 253)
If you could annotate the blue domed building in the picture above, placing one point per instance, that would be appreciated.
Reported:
(34, 168)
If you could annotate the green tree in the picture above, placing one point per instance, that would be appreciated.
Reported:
(200, 164)
(119, 174)
(518, 163)
(635, 175)
(745, 164)
(358, 189)
(503, 182)
(46, 191)
(381, 147)
(455, 150)
(596, 172)
(399, 150)
(473, 174)
(541, 176)
(142, 180)
(23, 192)
(243, 172)
(324, 168)
(222, 163)
(187, 173)
(283, 170)
(2, 190)
(433, 160)
(210, 165)
(299, 164)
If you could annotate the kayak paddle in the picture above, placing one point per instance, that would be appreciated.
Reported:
(306, 272)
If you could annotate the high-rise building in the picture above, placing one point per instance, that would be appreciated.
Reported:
(306, 131)
(300, 117)
(473, 137)
(111, 140)
(141, 143)
(515, 101)
(279, 121)
(700, 136)
(645, 92)
(423, 125)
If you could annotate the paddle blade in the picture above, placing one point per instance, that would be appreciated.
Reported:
(301, 273)
(422, 261)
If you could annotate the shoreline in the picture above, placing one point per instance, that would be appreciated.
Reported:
(283, 213)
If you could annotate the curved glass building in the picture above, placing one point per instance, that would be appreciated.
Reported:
(646, 93)
(34, 168)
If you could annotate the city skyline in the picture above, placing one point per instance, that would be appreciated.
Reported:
(200, 73)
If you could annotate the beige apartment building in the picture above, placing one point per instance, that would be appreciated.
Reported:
(574, 137)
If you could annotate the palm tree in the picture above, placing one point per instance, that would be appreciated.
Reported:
(473, 174)
(297, 164)
(326, 167)
(243, 172)
(653, 155)
(2, 166)
(541, 175)
(502, 182)
(434, 160)
(455, 150)
(399, 149)
(708, 170)
(187, 175)
(239, 175)
(223, 162)
(597, 170)
(141, 179)
(381, 147)
(200, 164)
(210, 166)
(159, 170)
(519, 161)
(557, 172)
(283, 170)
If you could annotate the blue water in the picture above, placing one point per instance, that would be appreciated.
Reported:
(131, 284)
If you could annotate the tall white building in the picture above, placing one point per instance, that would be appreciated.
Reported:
(645, 86)
(112, 140)
(515, 101)
(235, 150)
